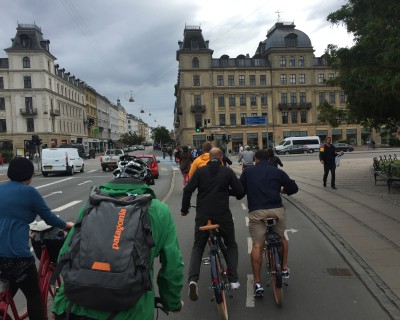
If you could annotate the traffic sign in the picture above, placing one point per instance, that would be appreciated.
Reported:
(255, 120)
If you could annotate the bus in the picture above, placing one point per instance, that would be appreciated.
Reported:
(312, 142)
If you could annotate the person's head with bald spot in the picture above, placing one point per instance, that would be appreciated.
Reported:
(215, 154)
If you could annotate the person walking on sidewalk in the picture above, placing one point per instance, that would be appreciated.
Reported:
(327, 155)
(263, 185)
(215, 183)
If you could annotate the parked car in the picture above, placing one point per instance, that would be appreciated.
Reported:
(343, 147)
(140, 147)
(294, 149)
(61, 160)
(152, 162)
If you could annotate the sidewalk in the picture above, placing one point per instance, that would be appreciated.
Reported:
(360, 219)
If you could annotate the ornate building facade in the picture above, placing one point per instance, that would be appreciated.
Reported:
(256, 100)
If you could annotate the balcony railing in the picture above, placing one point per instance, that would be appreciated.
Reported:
(179, 110)
(289, 106)
(28, 111)
(55, 113)
(198, 109)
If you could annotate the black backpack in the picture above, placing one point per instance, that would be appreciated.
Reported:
(108, 265)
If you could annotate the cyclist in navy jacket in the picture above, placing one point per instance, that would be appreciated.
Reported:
(263, 185)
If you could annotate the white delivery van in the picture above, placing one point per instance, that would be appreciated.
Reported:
(59, 160)
(312, 142)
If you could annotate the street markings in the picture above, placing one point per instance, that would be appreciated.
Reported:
(84, 182)
(49, 184)
(65, 206)
(53, 193)
(289, 230)
(247, 221)
(249, 245)
(243, 206)
(250, 295)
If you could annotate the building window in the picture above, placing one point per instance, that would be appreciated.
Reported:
(263, 80)
(232, 101)
(283, 97)
(282, 62)
(197, 100)
(285, 118)
(321, 97)
(252, 79)
(221, 100)
(253, 99)
(196, 81)
(220, 80)
(26, 42)
(222, 119)
(28, 105)
(30, 126)
(195, 63)
(231, 80)
(331, 76)
(27, 82)
(321, 78)
(292, 61)
(301, 61)
(198, 119)
(331, 97)
(283, 79)
(241, 80)
(292, 78)
(293, 97)
(302, 78)
(1, 83)
(342, 97)
(3, 125)
(257, 62)
(263, 98)
(294, 116)
(242, 98)
(26, 62)
(303, 116)
(302, 97)
(2, 104)
(241, 62)
(232, 117)
(243, 118)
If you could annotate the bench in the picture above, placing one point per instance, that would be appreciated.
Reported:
(386, 168)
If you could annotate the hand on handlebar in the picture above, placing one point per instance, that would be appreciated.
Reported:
(69, 225)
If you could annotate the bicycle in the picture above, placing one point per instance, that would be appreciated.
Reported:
(46, 268)
(219, 279)
(273, 248)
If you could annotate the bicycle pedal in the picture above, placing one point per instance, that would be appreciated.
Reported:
(205, 261)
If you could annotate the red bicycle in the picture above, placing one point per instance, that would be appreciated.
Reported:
(45, 250)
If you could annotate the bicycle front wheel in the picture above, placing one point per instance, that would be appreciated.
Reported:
(218, 287)
(276, 268)
(49, 292)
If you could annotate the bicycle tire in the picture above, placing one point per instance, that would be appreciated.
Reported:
(48, 293)
(276, 269)
(219, 290)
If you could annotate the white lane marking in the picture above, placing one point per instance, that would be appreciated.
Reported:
(286, 233)
(91, 171)
(53, 193)
(247, 221)
(65, 206)
(249, 245)
(49, 184)
(175, 169)
(243, 206)
(171, 188)
(163, 169)
(88, 181)
(250, 293)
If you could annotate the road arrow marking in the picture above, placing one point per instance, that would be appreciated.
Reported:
(289, 230)
(53, 193)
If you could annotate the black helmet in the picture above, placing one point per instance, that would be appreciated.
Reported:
(133, 168)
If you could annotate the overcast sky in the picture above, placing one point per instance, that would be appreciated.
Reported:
(125, 47)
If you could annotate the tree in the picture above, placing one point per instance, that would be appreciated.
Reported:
(369, 72)
(160, 134)
(328, 113)
(130, 138)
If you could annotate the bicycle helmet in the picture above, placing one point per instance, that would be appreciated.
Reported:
(133, 168)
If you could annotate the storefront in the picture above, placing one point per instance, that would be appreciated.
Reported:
(336, 135)
(252, 140)
(198, 140)
(351, 136)
(237, 138)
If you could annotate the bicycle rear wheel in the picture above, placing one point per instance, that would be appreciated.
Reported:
(218, 287)
(276, 269)
(49, 292)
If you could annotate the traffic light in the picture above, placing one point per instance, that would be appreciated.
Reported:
(205, 123)
(197, 128)
(91, 121)
(229, 137)
(35, 140)
(224, 137)
(110, 142)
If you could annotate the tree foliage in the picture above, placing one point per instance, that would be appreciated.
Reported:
(129, 139)
(328, 113)
(160, 134)
(369, 72)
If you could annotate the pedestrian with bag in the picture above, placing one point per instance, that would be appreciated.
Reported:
(327, 157)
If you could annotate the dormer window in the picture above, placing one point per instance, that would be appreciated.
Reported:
(195, 63)
(291, 40)
(26, 62)
(194, 44)
(26, 42)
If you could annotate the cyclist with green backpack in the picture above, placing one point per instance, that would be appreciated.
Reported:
(114, 206)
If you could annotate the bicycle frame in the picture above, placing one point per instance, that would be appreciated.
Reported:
(273, 255)
(219, 279)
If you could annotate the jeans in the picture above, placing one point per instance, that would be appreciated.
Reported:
(227, 231)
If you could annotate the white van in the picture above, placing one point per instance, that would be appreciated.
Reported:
(312, 142)
(58, 160)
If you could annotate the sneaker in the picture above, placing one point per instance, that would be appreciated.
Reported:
(324, 184)
(193, 291)
(258, 290)
(235, 285)
(286, 273)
